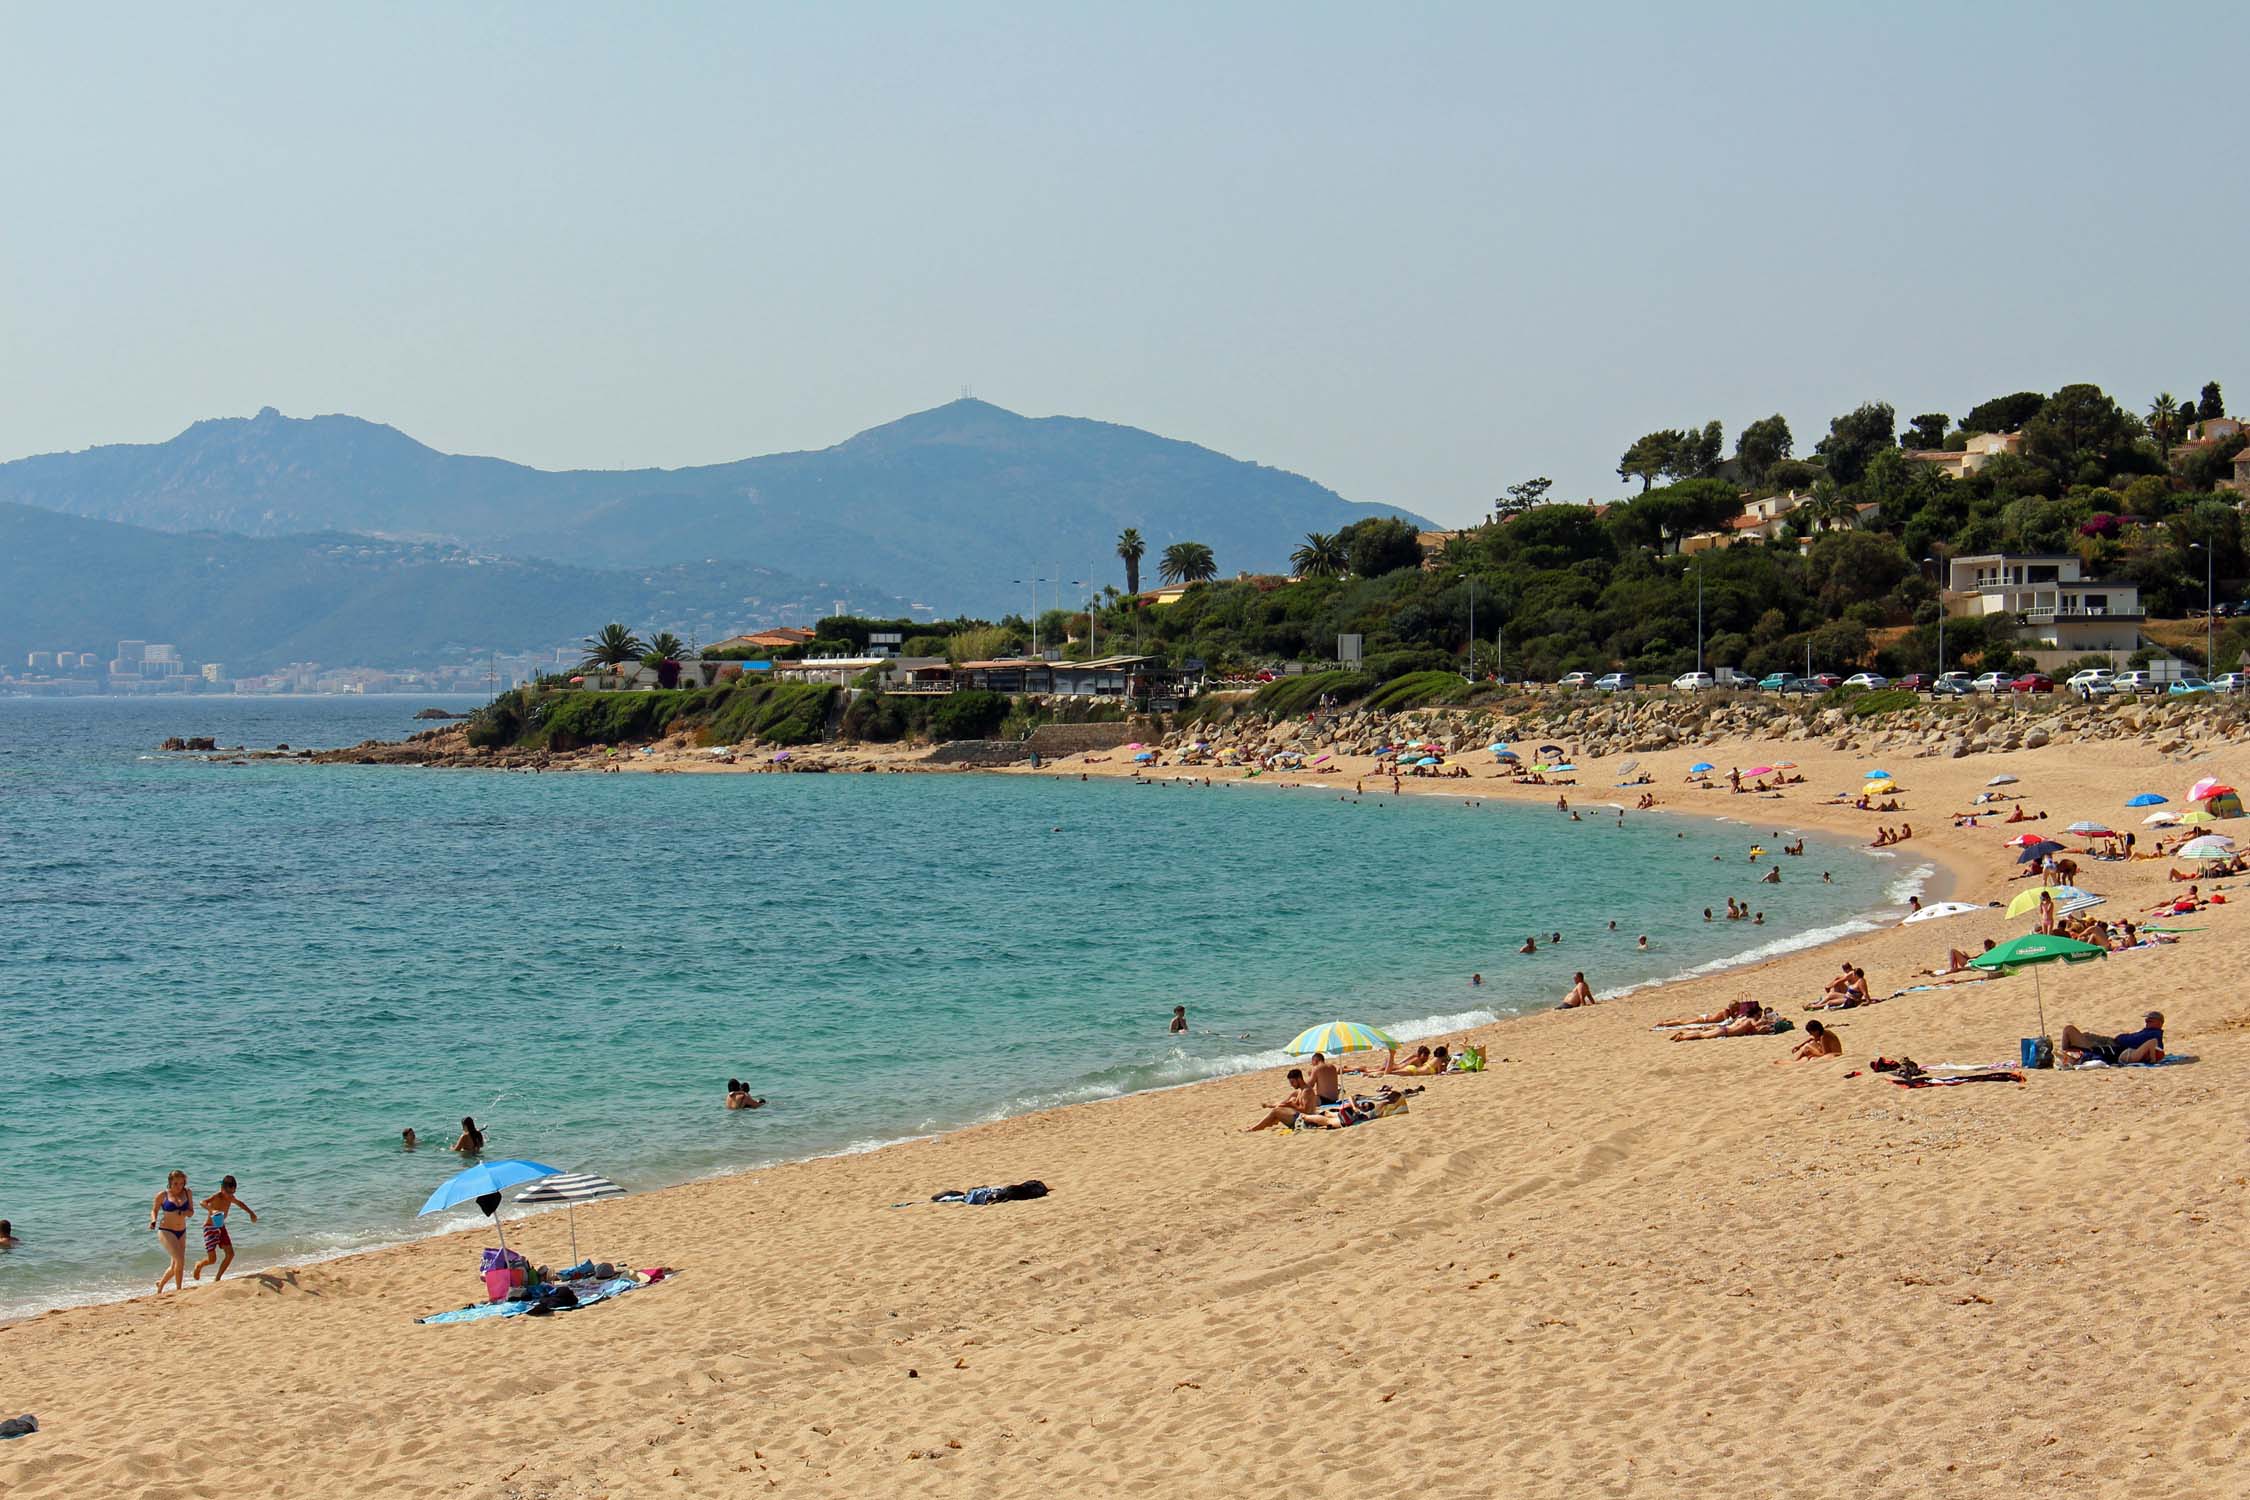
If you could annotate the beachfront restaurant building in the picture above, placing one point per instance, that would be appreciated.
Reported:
(1107, 677)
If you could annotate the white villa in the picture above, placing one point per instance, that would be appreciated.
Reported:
(2063, 613)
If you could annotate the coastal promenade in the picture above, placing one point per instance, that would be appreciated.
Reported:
(1609, 1265)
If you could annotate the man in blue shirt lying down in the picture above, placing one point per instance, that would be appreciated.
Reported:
(2143, 1046)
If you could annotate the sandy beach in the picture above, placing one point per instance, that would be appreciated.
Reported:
(1610, 1265)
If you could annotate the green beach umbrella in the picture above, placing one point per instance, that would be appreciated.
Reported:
(2031, 950)
(1341, 1036)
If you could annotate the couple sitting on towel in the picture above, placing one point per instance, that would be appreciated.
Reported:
(1304, 1106)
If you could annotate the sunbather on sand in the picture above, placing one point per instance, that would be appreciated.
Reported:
(1819, 1042)
(1762, 1024)
(1417, 1064)
(1581, 993)
(1326, 1085)
(1734, 1012)
(2143, 1046)
(1956, 962)
(1300, 1106)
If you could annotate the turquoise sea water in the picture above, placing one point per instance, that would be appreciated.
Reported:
(270, 969)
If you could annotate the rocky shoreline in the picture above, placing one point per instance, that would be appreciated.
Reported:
(1585, 728)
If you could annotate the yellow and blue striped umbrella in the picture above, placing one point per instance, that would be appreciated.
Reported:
(1341, 1036)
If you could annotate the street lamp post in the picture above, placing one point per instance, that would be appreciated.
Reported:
(1699, 615)
(1034, 582)
(1933, 562)
(1471, 673)
(2209, 599)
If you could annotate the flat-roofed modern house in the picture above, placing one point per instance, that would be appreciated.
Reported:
(2060, 611)
(1108, 677)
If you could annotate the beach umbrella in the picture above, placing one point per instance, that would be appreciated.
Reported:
(2003, 779)
(2209, 847)
(2197, 815)
(2068, 897)
(1497, 746)
(1700, 767)
(2145, 799)
(1427, 760)
(483, 1184)
(2031, 950)
(2033, 853)
(1565, 766)
(2160, 820)
(2208, 787)
(2026, 840)
(1877, 776)
(1759, 771)
(1627, 767)
(1507, 755)
(1146, 755)
(1550, 749)
(571, 1189)
(1878, 786)
(2092, 830)
(1335, 1037)
(1785, 765)
(1939, 909)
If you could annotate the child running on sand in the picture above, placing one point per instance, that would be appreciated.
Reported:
(218, 1245)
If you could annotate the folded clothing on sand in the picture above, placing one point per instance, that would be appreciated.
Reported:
(1010, 1193)
(19, 1426)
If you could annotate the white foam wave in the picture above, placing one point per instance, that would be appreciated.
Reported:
(1912, 883)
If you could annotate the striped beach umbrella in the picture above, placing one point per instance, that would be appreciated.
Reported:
(2211, 846)
(571, 1189)
(1335, 1037)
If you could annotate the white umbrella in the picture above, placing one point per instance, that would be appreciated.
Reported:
(571, 1189)
(1935, 910)
(2003, 779)
(2160, 820)
(2212, 846)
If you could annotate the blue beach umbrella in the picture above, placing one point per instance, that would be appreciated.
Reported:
(1341, 1036)
(484, 1183)
(1565, 766)
(2146, 799)
(1877, 776)
(1700, 767)
(1506, 755)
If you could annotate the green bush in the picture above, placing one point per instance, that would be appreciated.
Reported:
(1288, 696)
(1385, 665)
(780, 713)
(972, 714)
(499, 722)
(1880, 701)
(1419, 690)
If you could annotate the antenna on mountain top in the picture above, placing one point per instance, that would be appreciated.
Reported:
(965, 393)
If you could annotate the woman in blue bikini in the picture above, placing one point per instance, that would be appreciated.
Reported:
(168, 1215)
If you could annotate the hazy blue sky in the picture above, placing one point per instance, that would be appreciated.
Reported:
(1415, 251)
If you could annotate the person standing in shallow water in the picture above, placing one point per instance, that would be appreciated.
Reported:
(1179, 1019)
(470, 1142)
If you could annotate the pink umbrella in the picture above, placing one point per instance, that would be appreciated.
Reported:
(2208, 787)
(1759, 771)
(2026, 840)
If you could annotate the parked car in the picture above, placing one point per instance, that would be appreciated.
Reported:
(1728, 677)
(2081, 678)
(1804, 687)
(1952, 685)
(2189, 683)
(1576, 680)
(1995, 682)
(1827, 680)
(2230, 682)
(1868, 680)
(1774, 682)
(2133, 682)
(1913, 682)
(1693, 682)
(1961, 677)
(1615, 682)
(2033, 682)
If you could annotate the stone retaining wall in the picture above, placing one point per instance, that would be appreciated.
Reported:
(979, 753)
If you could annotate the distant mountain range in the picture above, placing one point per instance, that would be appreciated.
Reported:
(253, 603)
(947, 507)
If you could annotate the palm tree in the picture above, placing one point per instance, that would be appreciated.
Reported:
(1827, 508)
(1131, 548)
(1187, 562)
(2164, 421)
(615, 644)
(665, 646)
(1322, 556)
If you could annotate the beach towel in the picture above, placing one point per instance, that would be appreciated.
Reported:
(2168, 1060)
(587, 1294)
(1924, 1081)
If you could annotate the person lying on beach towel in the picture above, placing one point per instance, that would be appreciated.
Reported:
(1764, 1023)
(1744, 1007)
(1415, 1065)
(1014, 1192)
(2143, 1046)
(1956, 961)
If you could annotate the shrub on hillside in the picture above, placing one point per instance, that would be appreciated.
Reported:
(1419, 690)
(1289, 696)
(971, 714)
